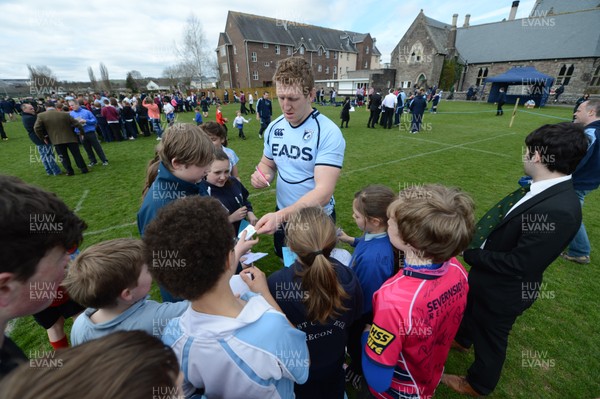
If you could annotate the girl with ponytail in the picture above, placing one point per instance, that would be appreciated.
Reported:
(321, 297)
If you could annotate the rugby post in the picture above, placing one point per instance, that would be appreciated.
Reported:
(514, 112)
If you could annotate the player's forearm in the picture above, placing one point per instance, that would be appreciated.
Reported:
(319, 196)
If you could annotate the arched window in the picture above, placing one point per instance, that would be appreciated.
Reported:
(421, 80)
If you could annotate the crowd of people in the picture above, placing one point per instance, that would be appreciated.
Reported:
(385, 321)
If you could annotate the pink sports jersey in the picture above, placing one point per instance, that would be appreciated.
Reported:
(415, 320)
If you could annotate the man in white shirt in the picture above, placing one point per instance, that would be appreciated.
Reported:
(389, 106)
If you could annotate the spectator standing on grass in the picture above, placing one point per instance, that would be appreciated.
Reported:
(128, 115)
(586, 177)
(345, 114)
(57, 127)
(142, 117)
(302, 147)
(243, 108)
(417, 108)
(34, 257)
(154, 115)
(110, 112)
(435, 100)
(250, 103)
(90, 139)
(264, 110)
(45, 151)
(400, 99)
(512, 248)
(102, 127)
(374, 108)
(388, 105)
(501, 101)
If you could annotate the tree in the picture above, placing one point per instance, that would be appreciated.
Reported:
(42, 80)
(130, 83)
(193, 52)
(93, 80)
(104, 77)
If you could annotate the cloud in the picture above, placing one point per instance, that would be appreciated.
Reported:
(126, 35)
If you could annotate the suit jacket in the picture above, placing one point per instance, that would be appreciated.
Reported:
(506, 275)
(58, 126)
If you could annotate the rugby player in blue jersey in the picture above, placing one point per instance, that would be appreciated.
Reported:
(304, 148)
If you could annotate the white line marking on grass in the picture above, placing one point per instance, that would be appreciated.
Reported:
(424, 153)
(548, 116)
(121, 226)
(83, 197)
(465, 148)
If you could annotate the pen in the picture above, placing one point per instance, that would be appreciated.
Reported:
(263, 176)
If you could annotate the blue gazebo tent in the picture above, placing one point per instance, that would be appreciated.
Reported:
(521, 82)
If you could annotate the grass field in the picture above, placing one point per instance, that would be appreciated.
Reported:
(554, 349)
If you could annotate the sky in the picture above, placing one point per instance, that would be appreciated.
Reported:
(126, 35)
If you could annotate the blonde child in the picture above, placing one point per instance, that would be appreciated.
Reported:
(183, 160)
(416, 314)
(112, 280)
(218, 136)
(373, 262)
(238, 123)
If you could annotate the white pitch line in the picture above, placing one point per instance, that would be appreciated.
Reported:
(83, 197)
(423, 154)
(90, 233)
(460, 145)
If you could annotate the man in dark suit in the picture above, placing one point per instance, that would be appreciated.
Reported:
(417, 108)
(506, 270)
(57, 127)
(375, 108)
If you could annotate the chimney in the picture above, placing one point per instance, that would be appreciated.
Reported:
(467, 19)
(513, 10)
(451, 46)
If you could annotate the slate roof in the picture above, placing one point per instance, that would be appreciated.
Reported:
(438, 33)
(542, 7)
(261, 29)
(570, 35)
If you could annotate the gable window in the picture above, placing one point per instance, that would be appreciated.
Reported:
(596, 77)
(367, 49)
(335, 55)
(277, 49)
(326, 53)
(223, 52)
(320, 51)
(289, 50)
(301, 50)
(255, 75)
(265, 45)
(481, 75)
(254, 57)
(565, 74)
(234, 50)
